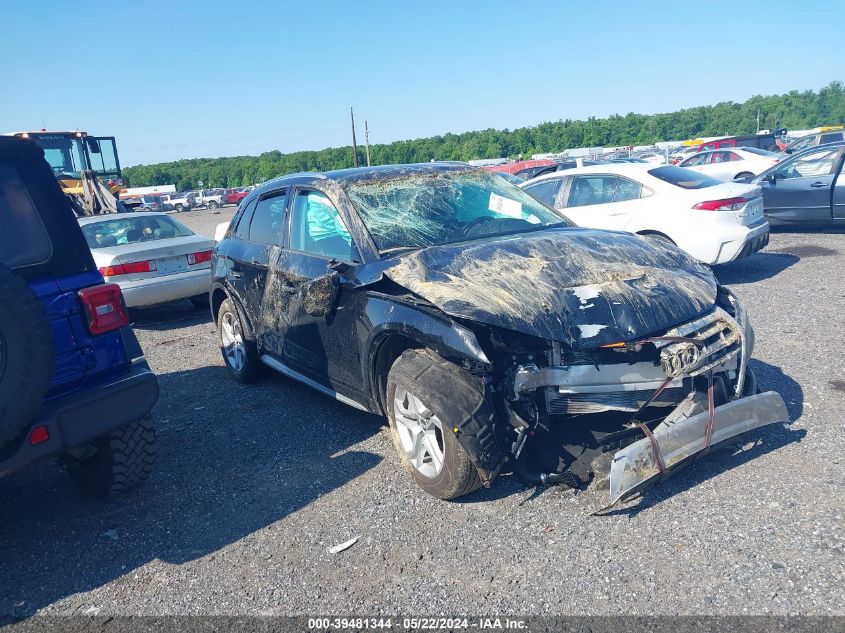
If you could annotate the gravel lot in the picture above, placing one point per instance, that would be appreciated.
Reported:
(255, 483)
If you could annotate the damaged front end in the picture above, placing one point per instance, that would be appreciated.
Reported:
(663, 399)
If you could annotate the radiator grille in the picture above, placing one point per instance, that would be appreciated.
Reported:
(583, 403)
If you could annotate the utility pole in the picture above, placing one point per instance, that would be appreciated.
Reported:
(367, 140)
(758, 120)
(354, 143)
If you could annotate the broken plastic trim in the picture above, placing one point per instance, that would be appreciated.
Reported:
(635, 467)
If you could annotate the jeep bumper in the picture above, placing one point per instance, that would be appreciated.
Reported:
(78, 418)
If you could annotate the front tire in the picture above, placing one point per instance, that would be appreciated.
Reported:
(424, 429)
(213, 205)
(179, 208)
(123, 459)
(239, 353)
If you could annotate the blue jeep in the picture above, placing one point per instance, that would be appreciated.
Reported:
(74, 383)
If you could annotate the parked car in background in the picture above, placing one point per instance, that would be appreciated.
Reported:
(475, 318)
(178, 201)
(653, 158)
(713, 221)
(680, 154)
(806, 188)
(812, 140)
(738, 163)
(150, 203)
(234, 196)
(206, 198)
(74, 384)
(766, 141)
(521, 168)
(151, 256)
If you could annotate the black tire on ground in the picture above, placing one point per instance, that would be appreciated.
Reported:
(252, 368)
(213, 205)
(179, 208)
(26, 354)
(200, 301)
(124, 458)
(437, 382)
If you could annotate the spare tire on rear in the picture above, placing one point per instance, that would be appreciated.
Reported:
(26, 354)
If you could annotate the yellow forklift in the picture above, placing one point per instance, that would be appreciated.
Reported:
(87, 167)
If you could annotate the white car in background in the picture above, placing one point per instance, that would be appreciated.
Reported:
(714, 221)
(734, 163)
(652, 158)
(151, 256)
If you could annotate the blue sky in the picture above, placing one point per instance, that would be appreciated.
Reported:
(181, 79)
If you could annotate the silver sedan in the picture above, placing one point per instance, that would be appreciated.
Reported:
(151, 256)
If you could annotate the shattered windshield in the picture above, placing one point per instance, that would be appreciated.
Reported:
(418, 210)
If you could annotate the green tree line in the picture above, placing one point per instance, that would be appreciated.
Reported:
(793, 110)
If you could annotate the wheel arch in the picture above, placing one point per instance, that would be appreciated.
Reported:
(219, 293)
(397, 326)
(646, 232)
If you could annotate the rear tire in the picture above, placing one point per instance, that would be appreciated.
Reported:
(26, 354)
(429, 449)
(213, 205)
(124, 459)
(179, 208)
(239, 353)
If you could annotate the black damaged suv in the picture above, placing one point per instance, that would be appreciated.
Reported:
(482, 322)
(74, 384)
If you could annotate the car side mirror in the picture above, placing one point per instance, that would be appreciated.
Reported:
(772, 177)
(319, 296)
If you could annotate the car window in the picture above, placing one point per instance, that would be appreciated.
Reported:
(545, 191)
(589, 190)
(23, 240)
(240, 227)
(628, 190)
(132, 230)
(317, 228)
(697, 159)
(814, 163)
(683, 178)
(830, 138)
(268, 219)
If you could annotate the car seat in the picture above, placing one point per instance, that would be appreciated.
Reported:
(133, 235)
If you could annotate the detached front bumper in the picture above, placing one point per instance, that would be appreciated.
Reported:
(681, 437)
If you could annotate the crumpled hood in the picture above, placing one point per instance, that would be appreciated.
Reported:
(582, 287)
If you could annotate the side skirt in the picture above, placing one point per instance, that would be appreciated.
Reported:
(290, 373)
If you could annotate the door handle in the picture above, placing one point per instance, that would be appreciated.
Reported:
(818, 185)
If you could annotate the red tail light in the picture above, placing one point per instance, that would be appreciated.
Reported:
(39, 435)
(728, 204)
(199, 258)
(127, 269)
(104, 308)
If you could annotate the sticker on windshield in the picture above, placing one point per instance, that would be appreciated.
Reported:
(505, 206)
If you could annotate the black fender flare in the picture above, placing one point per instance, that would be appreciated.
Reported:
(386, 316)
(217, 286)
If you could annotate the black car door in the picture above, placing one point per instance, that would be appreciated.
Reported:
(799, 188)
(259, 232)
(321, 348)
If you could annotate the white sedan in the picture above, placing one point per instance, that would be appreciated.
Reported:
(734, 163)
(151, 256)
(715, 222)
